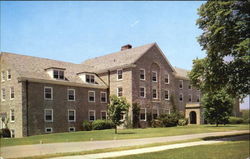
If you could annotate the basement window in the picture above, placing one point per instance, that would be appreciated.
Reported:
(48, 130)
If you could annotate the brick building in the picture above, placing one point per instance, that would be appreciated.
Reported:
(40, 95)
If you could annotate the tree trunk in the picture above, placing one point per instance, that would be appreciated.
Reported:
(115, 129)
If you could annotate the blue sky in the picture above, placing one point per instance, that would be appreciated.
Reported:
(75, 31)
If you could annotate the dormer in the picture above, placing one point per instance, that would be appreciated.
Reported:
(56, 73)
(88, 77)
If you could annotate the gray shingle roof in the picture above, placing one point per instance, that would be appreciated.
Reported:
(181, 73)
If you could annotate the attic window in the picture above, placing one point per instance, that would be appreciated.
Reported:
(58, 74)
(90, 79)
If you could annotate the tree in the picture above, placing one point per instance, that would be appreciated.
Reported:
(116, 109)
(226, 39)
(218, 107)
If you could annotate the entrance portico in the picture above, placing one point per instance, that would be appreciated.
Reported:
(193, 113)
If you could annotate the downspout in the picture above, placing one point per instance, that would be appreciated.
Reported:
(27, 107)
(108, 90)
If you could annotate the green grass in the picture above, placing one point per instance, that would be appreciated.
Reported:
(227, 150)
(122, 134)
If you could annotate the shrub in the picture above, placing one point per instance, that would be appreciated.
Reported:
(87, 126)
(102, 124)
(247, 121)
(183, 122)
(157, 123)
(4, 132)
(235, 120)
(169, 120)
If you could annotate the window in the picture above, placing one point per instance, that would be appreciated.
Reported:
(142, 74)
(48, 130)
(119, 91)
(103, 115)
(154, 76)
(8, 74)
(143, 114)
(181, 84)
(91, 96)
(142, 92)
(48, 115)
(48, 93)
(12, 94)
(189, 86)
(12, 115)
(155, 94)
(12, 133)
(58, 74)
(166, 78)
(198, 98)
(190, 98)
(181, 97)
(90, 79)
(155, 114)
(3, 94)
(119, 74)
(103, 96)
(71, 115)
(72, 129)
(3, 76)
(91, 115)
(71, 95)
(166, 94)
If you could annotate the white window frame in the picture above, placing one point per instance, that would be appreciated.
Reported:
(48, 132)
(9, 73)
(45, 93)
(12, 133)
(89, 96)
(74, 129)
(58, 74)
(11, 93)
(118, 91)
(105, 97)
(144, 73)
(73, 93)
(3, 94)
(89, 115)
(156, 93)
(156, 76)
(2, 76)
(118, 74)
(104, 111)
(181, 94)
(143, 91)
(145, 111)
(181, 84)
(190, 95)
(168, 111)
(90, 77)
(12, 113)
(167, 74)
(74, 115)
(165, 95)
(52, 116)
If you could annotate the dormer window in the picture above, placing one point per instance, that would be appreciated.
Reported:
(58, 74)
(90, 79)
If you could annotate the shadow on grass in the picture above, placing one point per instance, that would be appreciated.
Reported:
(237, 137)
(219, 126)
(125, 133)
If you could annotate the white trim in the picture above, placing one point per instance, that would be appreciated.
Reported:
(145, 111)
(156, 76)
(118, 74)
(89, 115)
(167, 77)
(9, 73)
(74, 129)
(74, 115)
(3, 94)
(117, 91)
(2, 76)
(143, 91)
(190, 95)
(12, 121)
(156, 93)
(181, 84)
(59, 70)
(101, 97)
(51, 93)
(13, 93)
(90, 77)
(52, 117)
(181, 94)
(89, 96)
(165, 94)
(104, 111)
(144, 72)
(70, 89)
(46, 131)
(168, 111)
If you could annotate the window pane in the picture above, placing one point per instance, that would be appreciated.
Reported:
(142, 74)
(119, 73)
(61, 74)
(56, 74)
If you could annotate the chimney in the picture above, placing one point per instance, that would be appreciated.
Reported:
(125, 47)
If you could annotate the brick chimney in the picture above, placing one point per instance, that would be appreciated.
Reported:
(125, 47)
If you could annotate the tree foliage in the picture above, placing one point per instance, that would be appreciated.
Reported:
(226, 39)
(116, 109)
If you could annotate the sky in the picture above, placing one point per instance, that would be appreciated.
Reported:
(75, 31)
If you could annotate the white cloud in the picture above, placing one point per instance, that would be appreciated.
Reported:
(134, 23)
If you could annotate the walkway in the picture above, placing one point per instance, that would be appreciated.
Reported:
(43, 149)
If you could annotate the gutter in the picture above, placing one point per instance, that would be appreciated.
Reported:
(27, 106)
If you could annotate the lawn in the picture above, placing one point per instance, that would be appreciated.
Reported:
(227, 150)
(122, 134)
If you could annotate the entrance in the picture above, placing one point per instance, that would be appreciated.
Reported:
(192, 117)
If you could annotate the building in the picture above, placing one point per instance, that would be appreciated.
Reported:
(40, 95)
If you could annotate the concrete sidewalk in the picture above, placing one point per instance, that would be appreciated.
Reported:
(43, 149)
